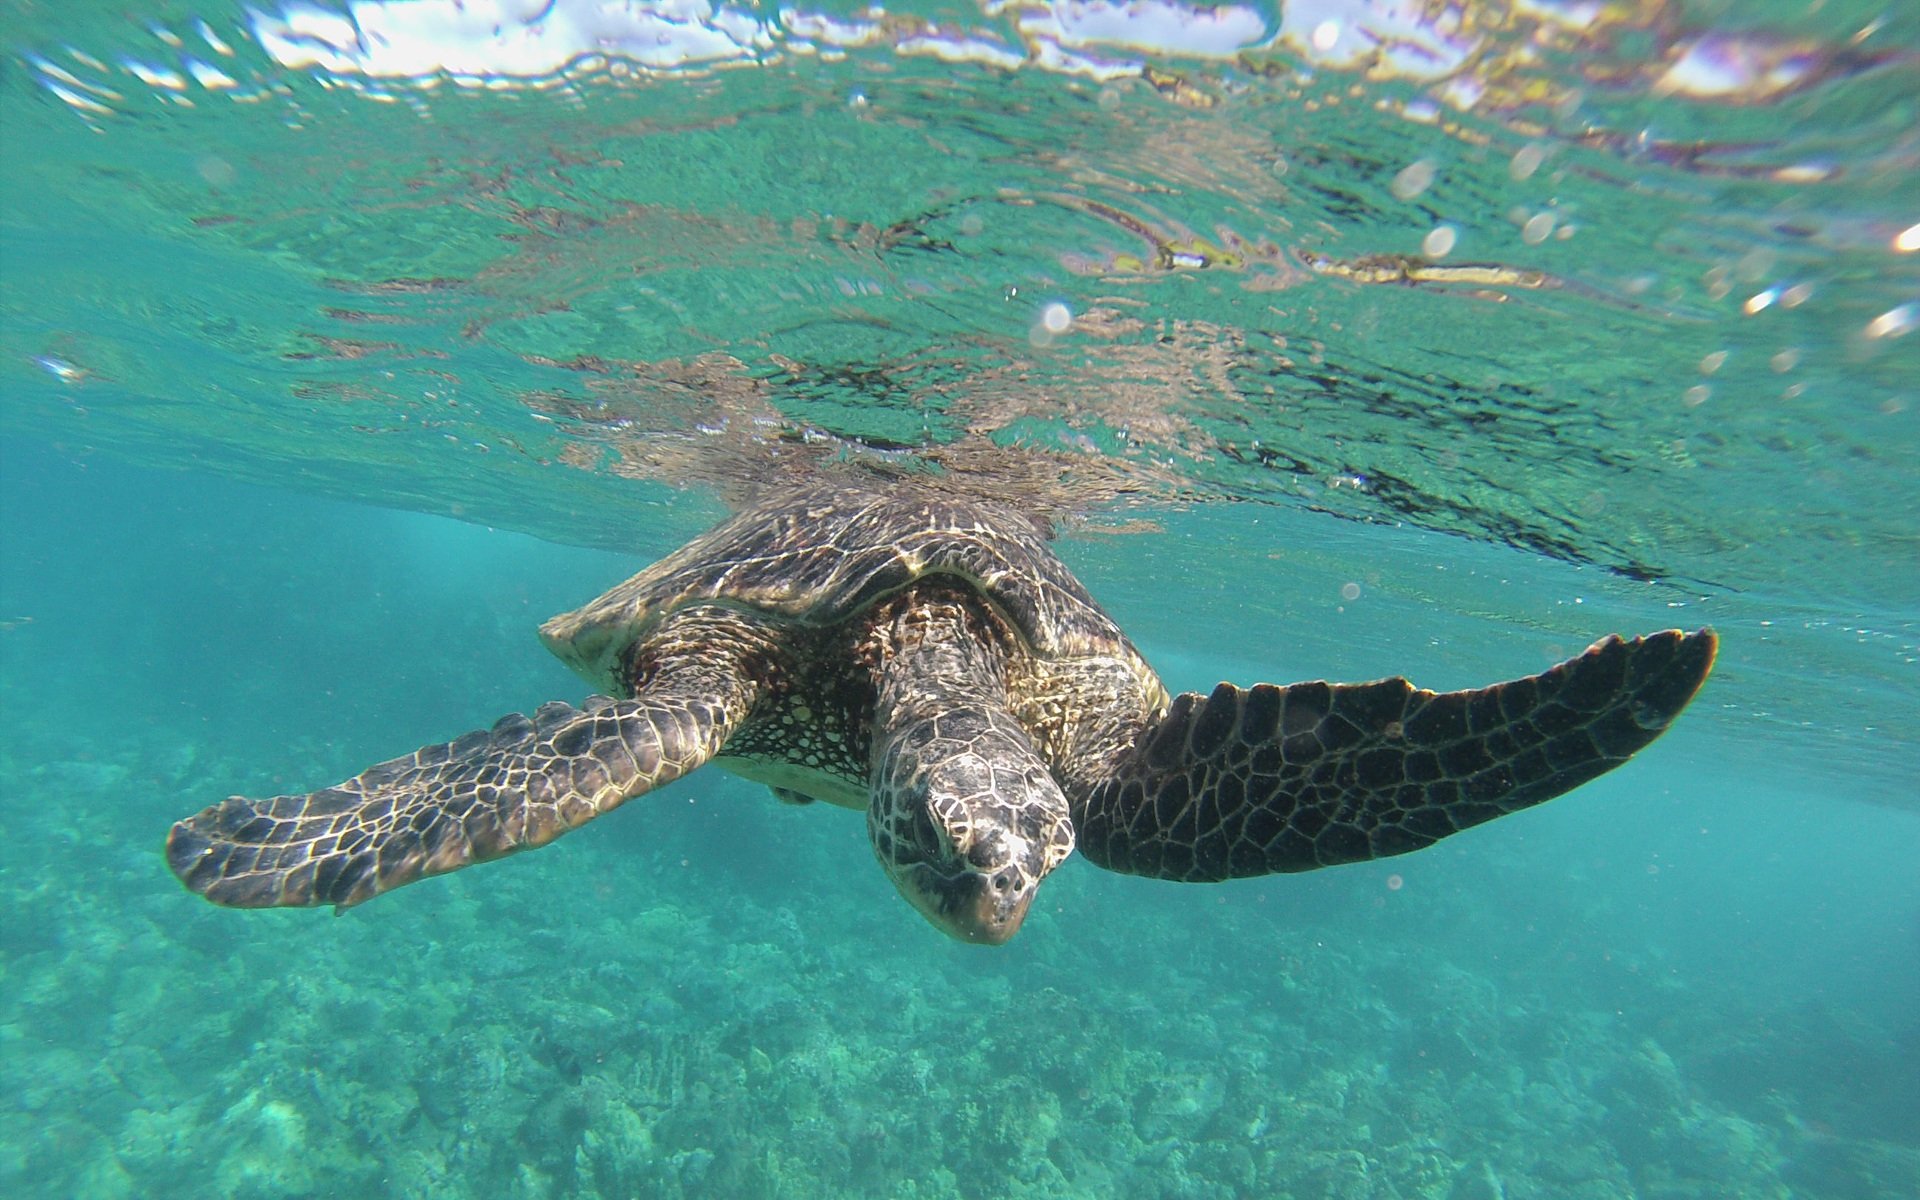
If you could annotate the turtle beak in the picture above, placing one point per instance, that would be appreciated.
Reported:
(982, 910)
(992, 917)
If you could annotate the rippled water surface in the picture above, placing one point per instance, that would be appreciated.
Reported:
(1337, 338)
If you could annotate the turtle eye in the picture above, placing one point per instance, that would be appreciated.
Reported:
(926, 839)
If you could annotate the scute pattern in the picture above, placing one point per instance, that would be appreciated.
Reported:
(823, 555)
(965, 815)
(931, 660)
(1367, 770)
(483, 795)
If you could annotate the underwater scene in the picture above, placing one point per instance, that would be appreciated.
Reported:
(343, 344)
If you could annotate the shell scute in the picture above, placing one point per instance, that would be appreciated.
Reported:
(828, 554)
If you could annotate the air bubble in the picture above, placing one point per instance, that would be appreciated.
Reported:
(1895, 322)
(1439, 241)
(1413, 179)
(1755, 265)
(1349, 591)
(1537, 228)
(60, 368)
(1526, 161)
(217, 171)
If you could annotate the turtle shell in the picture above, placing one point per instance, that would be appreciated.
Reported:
(820, 557)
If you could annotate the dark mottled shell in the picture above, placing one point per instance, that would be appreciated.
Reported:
(819, 557)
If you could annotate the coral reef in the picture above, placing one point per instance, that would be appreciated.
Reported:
(632, 1017)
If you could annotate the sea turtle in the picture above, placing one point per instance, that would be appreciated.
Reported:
(930, 660)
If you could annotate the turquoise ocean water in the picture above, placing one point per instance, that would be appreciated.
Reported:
(339, 347)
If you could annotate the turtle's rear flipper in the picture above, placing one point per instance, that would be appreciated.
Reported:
(1249, 781)
(521, 784)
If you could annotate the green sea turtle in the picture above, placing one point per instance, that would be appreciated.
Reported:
(930, 660)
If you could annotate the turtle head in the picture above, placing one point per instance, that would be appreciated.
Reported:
(967, 838)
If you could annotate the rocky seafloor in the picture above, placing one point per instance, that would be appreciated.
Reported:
(724, 998)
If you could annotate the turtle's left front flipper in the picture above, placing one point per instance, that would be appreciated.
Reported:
(1249, 781)
(518, 785)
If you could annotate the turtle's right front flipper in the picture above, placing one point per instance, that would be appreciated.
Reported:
(519, 785)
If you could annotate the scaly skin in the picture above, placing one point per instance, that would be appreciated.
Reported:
(966, 816)
(1250, 781)
(519, 785)
(930, 660)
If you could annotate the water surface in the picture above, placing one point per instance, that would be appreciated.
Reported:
(1338, 341)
